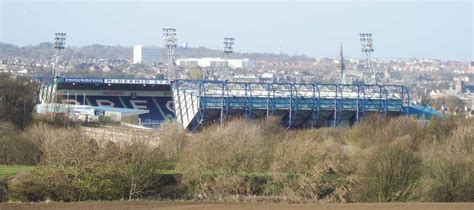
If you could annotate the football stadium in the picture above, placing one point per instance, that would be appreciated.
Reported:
(197, 103)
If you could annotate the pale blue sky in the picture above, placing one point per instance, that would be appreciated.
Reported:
(427, 29)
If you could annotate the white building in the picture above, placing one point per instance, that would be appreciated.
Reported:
(3, 68)
(241, 63)
(245, 78)
(267, 77)
(215, 62)
(146, 54)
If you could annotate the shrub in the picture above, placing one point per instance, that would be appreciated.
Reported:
(3, 189)
(450, 166)
(378, 160)
(359, 133)
(28, 186)
(140, 169)
(17, 149)
(375, 131)
(219, 157)
(389, 173)
(173, 140)
(312, 169)
(440, 129)
(76, 168)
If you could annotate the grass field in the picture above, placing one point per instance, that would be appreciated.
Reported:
(12, 170)
(236, 206)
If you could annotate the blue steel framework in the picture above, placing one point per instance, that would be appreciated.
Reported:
(301, 105)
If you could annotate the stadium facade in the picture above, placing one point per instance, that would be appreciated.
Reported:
(197, 103)
(153, 96)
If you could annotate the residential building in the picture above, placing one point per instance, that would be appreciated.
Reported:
(146, 54)
(215, 62)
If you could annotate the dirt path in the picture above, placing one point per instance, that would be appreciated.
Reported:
(142, 205)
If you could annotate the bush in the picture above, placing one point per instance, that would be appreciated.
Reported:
(3, 189)
(173, 140)
(17, 149)
(68, 157)
(450, 167)
(440, 129)
(28, 186)
(389, 163)
(389, 173)
(76, 168)
(312, 169)
(140, 169)
(219, 158)
(379, 160)
(359, 133)
(376, 131)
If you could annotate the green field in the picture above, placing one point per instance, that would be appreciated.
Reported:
(12, 170)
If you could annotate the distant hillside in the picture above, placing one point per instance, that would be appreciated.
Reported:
(42, 50)
(96, 51)
(45, 51)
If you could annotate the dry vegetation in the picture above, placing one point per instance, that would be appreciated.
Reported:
(75, 168)
(167, 205)
(379, 160)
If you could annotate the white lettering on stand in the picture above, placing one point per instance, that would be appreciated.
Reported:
(139, 104)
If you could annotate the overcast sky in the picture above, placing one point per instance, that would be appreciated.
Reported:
(423, 29)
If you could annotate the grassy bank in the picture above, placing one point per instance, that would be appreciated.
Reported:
(13, 170)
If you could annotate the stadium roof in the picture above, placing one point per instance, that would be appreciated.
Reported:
(113, 84)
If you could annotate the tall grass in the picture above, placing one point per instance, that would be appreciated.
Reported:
(379, 160)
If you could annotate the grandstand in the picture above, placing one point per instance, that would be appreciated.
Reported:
(197, 103)
(154, 96)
